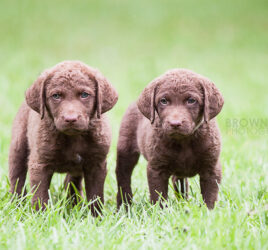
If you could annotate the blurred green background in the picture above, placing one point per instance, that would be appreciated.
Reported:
(131, 43)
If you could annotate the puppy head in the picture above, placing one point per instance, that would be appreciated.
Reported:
(182, 99)
(72, 94)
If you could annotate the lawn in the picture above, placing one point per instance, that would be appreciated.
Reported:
(132, 42)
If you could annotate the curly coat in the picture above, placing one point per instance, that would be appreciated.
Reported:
(61, 128)
(173, 126)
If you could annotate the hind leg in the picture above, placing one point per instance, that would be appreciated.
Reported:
(126, 162)
(184, 186)
(17, 169)
(18, 152)
(73, 184)
(127, 155)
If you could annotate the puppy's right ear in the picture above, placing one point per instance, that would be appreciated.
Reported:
(146, 101)
(36, 96)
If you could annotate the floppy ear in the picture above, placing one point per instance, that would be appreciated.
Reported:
(106, 95)
(213, 100)
(36, 96)
(146, 101)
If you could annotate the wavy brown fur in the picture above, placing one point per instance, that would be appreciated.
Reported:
(67, 135)
(177, 137)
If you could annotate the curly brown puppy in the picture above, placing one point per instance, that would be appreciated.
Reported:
(60, 128)
(173, 126)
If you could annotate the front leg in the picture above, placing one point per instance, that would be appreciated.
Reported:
(40, 178)
(158, 184)
(94, 175)
(209, 183)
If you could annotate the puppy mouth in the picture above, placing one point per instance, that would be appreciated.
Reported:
(72, 131)
(178, 133)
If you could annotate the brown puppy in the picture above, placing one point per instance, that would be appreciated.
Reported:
(61, 129)
(172, 125)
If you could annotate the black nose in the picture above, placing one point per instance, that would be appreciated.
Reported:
(70, 118)
(175, 123)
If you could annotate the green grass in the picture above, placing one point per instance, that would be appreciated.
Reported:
(132, 42)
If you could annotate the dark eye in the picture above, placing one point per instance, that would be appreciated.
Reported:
(84, 95)
(191, 100)
(56, 96)
(163, 101)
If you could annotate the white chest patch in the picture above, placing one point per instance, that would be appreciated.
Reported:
(78, 159)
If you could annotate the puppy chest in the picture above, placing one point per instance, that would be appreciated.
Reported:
(184, 168)
(70, 157)
(181, 161)
(69, 162)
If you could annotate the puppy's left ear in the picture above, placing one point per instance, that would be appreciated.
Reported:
(213, 100)
(106, 95)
